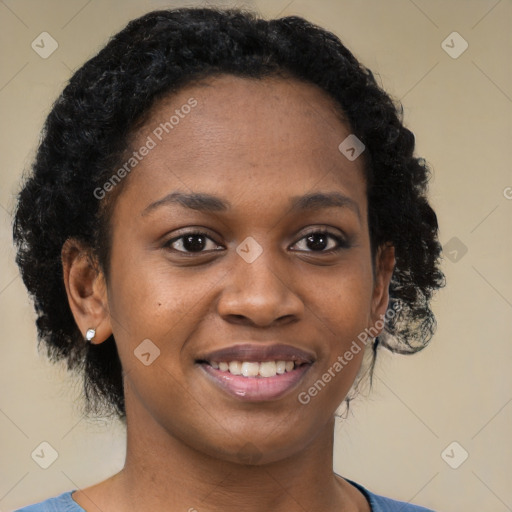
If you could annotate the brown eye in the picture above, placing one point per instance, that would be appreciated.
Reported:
(192, 243)
(317, 241)
(321, 241)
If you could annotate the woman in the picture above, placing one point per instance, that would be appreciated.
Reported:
(224, 222)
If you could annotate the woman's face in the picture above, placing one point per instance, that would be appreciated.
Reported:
(281, 269)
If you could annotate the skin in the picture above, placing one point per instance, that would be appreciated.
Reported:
(256, 144)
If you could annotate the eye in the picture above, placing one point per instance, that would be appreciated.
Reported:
(193, 242)
(321, 241)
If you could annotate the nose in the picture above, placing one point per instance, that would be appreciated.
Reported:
(259, 294)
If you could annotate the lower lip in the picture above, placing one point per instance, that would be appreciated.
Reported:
(256, 389)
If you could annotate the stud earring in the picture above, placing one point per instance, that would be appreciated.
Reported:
(89, 335)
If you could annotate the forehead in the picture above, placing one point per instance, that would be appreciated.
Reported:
(245, 136)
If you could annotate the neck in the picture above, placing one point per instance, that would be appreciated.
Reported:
(190, 480)
(161, 471)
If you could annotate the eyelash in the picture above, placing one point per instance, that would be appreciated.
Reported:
(341, 242)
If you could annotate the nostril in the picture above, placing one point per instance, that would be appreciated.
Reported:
(237, 319)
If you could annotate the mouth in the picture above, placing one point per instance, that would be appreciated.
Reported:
(256, 372)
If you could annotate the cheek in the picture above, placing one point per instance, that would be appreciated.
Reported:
(341, 307)
(343, 298)
(148, 301)
(142, 292)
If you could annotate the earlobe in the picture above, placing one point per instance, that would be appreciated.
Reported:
(384, 266)
(86, 290)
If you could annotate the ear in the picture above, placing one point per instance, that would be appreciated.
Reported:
(86, 290)
(384, 266)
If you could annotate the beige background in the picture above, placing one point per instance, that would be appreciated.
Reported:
(458, 389)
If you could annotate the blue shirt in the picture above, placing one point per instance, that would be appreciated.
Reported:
(65, 503)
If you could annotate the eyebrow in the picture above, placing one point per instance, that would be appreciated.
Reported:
(319, 200)
(209, 203)
(194, 201)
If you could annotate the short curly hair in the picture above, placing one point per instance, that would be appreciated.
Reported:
(91, 124)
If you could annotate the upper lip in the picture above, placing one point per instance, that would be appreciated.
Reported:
(258, 352)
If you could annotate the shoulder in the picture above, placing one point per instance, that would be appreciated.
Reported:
(382, 504)
(62, 503)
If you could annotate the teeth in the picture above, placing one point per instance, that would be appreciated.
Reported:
(268, 369)
(250, 369)
(254, 369)
(235, 367)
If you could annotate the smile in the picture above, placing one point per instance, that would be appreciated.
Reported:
(255, 381)
(262, 369)
(256, 372)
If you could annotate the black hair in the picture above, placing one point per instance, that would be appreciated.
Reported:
(89, 129)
